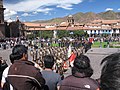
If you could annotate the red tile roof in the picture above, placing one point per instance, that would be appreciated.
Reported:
(77, 26)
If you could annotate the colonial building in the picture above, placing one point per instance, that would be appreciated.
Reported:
(96, 27)
(16, 28)
(2, 24)
(70, 20)
(103, 27)
(9, 28)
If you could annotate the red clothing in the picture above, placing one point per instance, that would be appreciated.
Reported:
(72, 57)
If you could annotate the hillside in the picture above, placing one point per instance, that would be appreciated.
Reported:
(86, 17)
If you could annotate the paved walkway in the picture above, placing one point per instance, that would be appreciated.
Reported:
(96, 55)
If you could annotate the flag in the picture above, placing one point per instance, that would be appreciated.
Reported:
(72, 57)
(69, 51)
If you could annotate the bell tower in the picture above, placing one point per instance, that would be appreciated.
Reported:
(70, 20)
(2, 25)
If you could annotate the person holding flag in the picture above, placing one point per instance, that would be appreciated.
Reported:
(72, 58)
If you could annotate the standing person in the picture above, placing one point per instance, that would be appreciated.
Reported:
(110, 75)
(22, 74)
(3, 65)
(4, 76)
(80, 78)
(51, 77)
(72, 57)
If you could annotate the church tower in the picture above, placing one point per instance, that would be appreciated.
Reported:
(2, 25)
(70, 20)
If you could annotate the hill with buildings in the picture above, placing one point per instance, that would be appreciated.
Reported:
(86, 17)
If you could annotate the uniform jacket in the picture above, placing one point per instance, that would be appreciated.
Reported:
(23, 75)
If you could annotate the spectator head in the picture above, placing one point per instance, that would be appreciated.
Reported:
(18, 52)
(82, 65)
(110, 75)
(48, 61)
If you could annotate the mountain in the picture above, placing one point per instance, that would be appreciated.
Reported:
(110, 15)
(86, 17)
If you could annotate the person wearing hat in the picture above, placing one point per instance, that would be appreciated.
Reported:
(80, 78)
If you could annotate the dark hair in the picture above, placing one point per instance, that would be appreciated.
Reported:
(82, 65)
(17, 52)
(48, 61)
(110, 75)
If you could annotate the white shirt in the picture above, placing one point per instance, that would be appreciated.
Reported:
(4, 75)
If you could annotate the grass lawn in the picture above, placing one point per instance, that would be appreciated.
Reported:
(103, 44)
(97, 44)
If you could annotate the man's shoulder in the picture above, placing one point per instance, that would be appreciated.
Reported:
(50, 73)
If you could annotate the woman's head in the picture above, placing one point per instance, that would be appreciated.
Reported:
(82, 65)
(18, 52)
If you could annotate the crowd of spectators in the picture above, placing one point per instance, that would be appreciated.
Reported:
(23, 74)
(105, 39)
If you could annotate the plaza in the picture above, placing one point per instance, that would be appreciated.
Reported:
(95, 54)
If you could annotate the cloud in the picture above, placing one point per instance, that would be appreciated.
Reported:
(44, 10)
(26, 14)
(118, 8)
(33, 5)
(35, 12)
(9, 13)
(67, 7)
(38, 6)
(108, 9)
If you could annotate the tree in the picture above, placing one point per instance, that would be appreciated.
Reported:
(45, 34)
(62, 33)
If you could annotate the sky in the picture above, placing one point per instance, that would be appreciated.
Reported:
(32, 10)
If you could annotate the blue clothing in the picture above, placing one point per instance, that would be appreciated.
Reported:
(51, 79)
